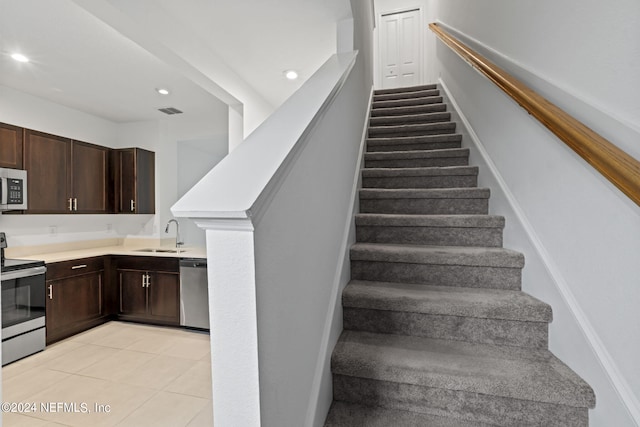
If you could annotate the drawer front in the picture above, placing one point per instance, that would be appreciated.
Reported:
(58, 270)
(148, 263)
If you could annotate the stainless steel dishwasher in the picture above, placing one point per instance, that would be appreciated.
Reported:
(194, 293)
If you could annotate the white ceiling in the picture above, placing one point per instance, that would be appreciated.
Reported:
(79, 61)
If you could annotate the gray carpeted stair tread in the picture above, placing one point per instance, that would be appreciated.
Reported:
(408, 110)
(343, 414)
(410, 143)
(425, 193)
(455, 137)
(425, 201)
(417, 154)
(406, 95)
(413, 118)
(446, 300)
(421, 177)
(477, 407)
(412, 129)
(407, 102)
(512, 372)
(441, 157)
(405, 89)
(441, 230)
(458, 221)
(439, 255)
(426, 171)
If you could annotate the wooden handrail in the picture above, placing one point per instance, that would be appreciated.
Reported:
(612, 162)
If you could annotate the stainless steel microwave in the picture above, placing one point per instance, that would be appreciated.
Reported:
(13, 189)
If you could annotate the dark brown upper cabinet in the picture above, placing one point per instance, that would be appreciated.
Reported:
(89, 168)
(11, 146)
(133, 177)
(65, 176)
(46, 160)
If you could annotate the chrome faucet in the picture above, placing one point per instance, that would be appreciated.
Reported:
(166, 230)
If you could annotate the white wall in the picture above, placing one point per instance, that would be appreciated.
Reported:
(580, 235)
(298, 245)
(364, 22)
(195, 159)
(24, 110)
(586, 48)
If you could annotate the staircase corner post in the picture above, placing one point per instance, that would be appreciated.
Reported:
(233, 320)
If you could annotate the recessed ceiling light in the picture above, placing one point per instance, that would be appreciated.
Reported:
(291, 74)
(20, 57)
(162, 91)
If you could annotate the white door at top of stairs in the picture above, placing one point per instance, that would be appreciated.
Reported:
(399, 46)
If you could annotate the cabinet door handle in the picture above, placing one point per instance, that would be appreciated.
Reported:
(70, 204)
(144, 280)
(75, 267)
(50, 291)
(75, 203)
(148, 280)
(133, 205)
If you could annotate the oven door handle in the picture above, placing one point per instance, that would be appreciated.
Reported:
(19, 274)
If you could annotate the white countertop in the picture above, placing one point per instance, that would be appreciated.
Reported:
(88, 252)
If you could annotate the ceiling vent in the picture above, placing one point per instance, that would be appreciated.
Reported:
(170, 110)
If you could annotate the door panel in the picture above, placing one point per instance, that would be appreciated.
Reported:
(46, 160)
(133, 293)
(390, 55)
(126, 193)
(72, 303)
(10, 146)
(400, 49)
(409, 50)
(164, 296)
(89, 181)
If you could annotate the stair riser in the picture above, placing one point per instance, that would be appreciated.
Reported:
(406, 95)
(344, 414)
(405, 111)
(425, 206)
(417, 162)
(457, 404)
(437, 275)
(408, 131)
(405, 89)
(398, 146)
(470, 329)
(407, 102)
(452, 181)
(435, 236)
(403, 120)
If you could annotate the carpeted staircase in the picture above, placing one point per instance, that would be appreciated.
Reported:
(436, 329)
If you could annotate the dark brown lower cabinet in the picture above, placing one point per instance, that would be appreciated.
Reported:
(149, 289)
(84, 293)
(75, 300)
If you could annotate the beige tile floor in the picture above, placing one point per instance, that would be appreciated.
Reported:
(149, 376)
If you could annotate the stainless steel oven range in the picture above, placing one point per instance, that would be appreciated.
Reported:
(23, 306)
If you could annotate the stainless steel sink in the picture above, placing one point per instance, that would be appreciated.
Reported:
(166, 251)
